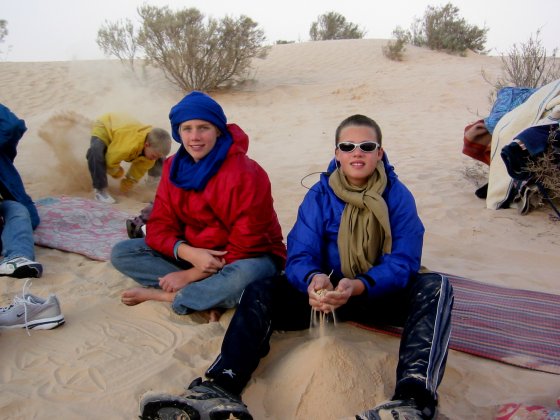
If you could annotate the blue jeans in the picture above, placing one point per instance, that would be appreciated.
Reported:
(221, 290)
(16, 231)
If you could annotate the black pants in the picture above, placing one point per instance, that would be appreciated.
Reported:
(96, 163)
(423, 309)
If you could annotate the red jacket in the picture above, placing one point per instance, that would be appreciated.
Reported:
(234, 212)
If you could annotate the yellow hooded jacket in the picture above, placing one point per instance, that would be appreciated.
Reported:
(125, 138)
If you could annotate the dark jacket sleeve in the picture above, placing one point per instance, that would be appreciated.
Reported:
(12, 129)
(306, 242)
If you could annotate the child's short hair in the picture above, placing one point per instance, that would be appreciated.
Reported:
(159, 140)
(358, 120)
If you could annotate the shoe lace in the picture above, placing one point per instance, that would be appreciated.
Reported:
(20, 300)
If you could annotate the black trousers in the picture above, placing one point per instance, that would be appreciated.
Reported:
(96, 163)
(423, 310)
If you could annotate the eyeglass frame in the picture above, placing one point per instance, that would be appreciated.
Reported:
(377, 146)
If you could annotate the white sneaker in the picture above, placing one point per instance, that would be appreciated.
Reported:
(103, 196)
(32, 312)
(20, 267)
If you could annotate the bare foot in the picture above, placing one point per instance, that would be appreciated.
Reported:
(137, 295)
(215, 315)
(212, 315)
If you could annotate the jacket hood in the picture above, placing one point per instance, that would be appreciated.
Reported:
(240, 140)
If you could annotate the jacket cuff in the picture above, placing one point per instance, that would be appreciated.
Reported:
(176, 249)
(366, 279)
(310, 275)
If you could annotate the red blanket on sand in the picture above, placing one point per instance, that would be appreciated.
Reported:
(479, 146)
(514, 326)
(80, 225)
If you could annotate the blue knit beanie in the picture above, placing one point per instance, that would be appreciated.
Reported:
(197, 106)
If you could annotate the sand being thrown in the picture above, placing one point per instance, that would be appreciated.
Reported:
(67, 134)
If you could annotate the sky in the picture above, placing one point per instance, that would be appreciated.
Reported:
(55, 30)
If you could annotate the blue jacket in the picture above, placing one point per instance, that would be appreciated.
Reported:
(312, 242)
(11, 185)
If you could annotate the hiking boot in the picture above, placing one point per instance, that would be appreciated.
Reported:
(134, 230)
(20, 267)
(32, 312)
(396, 410)
(103, 196)
(203, 401)
(529, 199)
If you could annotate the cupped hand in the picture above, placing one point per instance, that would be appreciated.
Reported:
(328, 299)
(319, 285)
(119, 172)
(206, 260)
(340, 295)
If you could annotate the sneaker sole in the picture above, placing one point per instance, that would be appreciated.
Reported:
(27, 271)
(166, 407)
(40, 324)
(169, 407)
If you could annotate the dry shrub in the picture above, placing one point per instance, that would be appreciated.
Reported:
(528, 65)
(333, 25)
(395, 49)
(442, 29)
(193, 52)
(119, 39)
(545, 169)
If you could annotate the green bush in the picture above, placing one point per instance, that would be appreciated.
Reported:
(193, 52)
(3, 29)
(441, 28)
(395, 49)
(444, 30)
(333, 25)
(3, 35)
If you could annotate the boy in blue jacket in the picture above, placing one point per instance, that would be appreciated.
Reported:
(354, 249)
(18, 215)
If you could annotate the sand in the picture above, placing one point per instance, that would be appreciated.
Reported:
(107, 355)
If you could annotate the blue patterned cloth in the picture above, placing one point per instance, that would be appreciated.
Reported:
(507, 99)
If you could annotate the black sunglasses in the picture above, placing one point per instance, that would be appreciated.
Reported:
(366, 146)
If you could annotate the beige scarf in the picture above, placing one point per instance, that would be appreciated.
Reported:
(365, 231)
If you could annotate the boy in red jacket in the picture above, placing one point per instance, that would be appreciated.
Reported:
(213, 229)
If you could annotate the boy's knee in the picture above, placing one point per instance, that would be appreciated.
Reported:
(433, 284)
(14, 210)
(120, 251)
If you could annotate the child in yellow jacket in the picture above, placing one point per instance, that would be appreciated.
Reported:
(116, 138)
